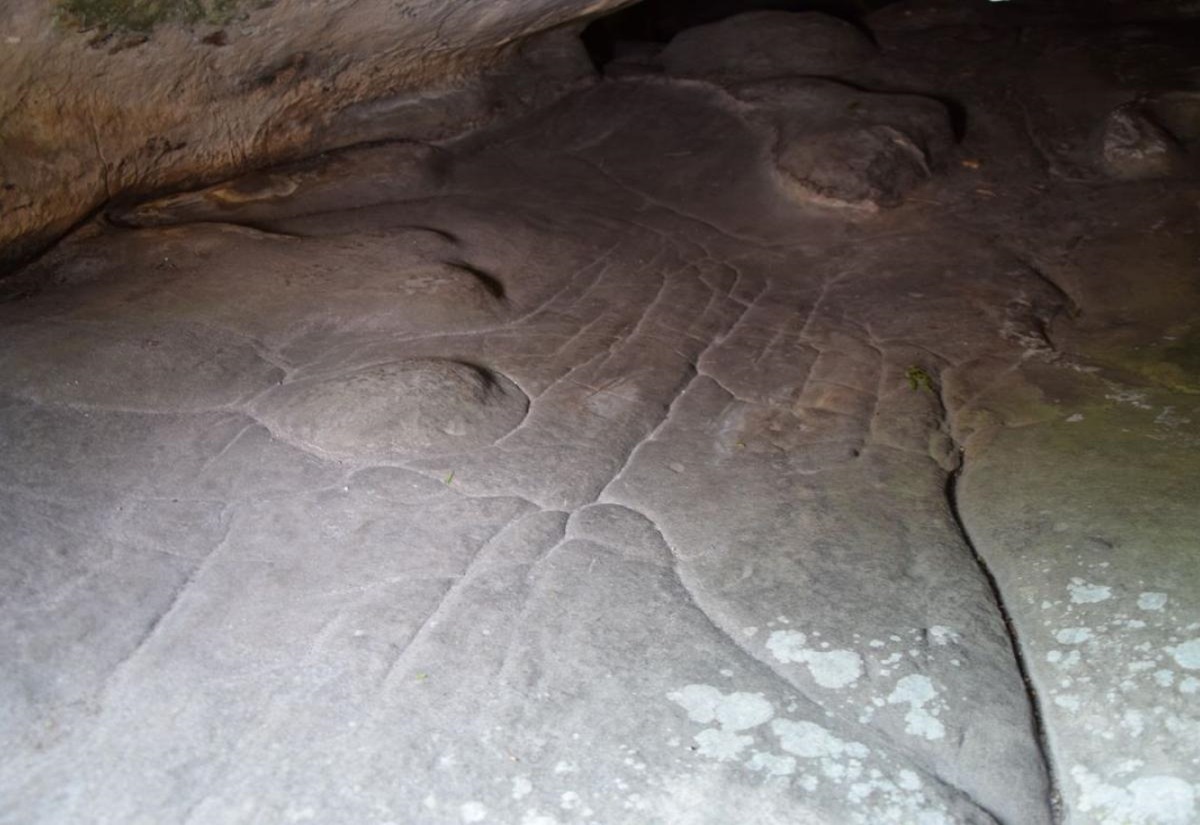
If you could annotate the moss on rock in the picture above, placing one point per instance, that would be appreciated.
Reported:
(1172, 361)
(143, 15)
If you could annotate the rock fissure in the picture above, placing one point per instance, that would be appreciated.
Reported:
(1019, 654)
(820, 709)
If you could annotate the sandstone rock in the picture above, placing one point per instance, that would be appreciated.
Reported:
(840, 146)
(632, 59)
(326, 183)
(1134, 147)
(90, 115)
(259, 286)
(142, 367)
(1178, 112)
(598, 488)
(412, 407)
(920, 15)
(766, 44)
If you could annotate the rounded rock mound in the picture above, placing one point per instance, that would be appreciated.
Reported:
(837, 145)
(400, 409)
(759, 45)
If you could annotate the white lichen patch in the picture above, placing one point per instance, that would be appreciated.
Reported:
(941, 635)
(1073, 635)
(1121, 679)
(787, 645)
(810, 758)
(771, 764)
(1067, 701)
(918, 692)
(722, 745)
(1147, 800)
(833, 669)
(893, 800)
(823, 760)
(836, 668)
(733, 713)
(812, 741)
(1187, 654)
(1085, 593)
(535, 817)
(1134, 722)
(472, 812)
(1152, 601)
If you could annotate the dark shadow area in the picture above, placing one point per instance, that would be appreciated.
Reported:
(657, 21)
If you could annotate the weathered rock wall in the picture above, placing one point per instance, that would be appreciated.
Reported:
(89, 112)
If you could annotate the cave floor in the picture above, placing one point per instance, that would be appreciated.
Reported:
(579, 471)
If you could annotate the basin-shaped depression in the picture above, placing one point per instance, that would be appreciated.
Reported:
(404, 408)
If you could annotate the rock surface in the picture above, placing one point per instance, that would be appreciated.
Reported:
(840, 146)
(767, 44)
(1134, 147)
(91, 110)
(577, 471)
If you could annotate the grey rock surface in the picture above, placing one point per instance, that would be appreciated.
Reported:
(578, 471)
(415, 406)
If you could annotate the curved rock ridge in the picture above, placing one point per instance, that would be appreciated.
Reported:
(765, 44)
(806, 77)
(348, 179)
(88, 115)
(405, 408)
(841, 146)
(259, 285)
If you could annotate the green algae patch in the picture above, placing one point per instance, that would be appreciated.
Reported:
(143, 15)
(1072, 414)
(1172, 362)
(1086, 409)
(1113, 468)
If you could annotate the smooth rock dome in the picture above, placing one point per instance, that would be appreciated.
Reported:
(419, 406)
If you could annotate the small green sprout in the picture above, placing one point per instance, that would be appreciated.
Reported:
(450, 477)
(919, 379)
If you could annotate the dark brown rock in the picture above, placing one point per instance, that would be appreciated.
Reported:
(766, 44)
(1134, 147)
(841, 146)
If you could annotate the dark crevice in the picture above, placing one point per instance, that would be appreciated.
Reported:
(493, 285)
(1035, 708)
(1068, 304)
(658, 21)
